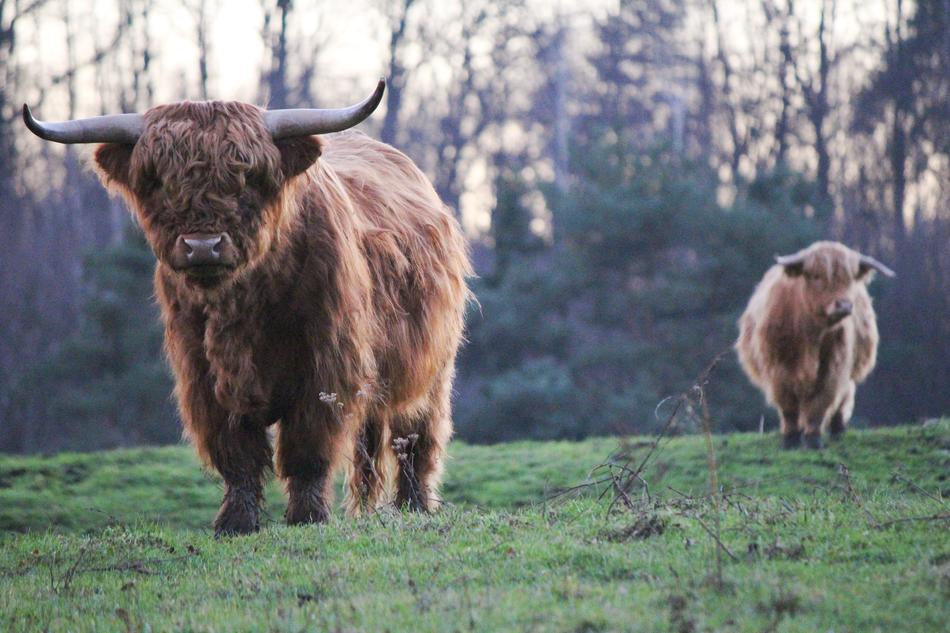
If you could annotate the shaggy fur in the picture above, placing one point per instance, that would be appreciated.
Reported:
(805, 361)
(340, 324)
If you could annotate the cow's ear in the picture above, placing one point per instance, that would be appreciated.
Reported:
(114, 160)
(794, 265)
(297, 154)
(794, 270)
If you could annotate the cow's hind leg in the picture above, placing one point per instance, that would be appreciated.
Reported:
(817, 412)
(812, 420)
(811, 438)
(309, 443)
(839, 420)
(365, 482)
(419, 443)
(791, 433)
(789, 413)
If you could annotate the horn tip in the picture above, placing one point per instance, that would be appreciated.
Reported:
(870, 262)
(374, 99)
(31, 122)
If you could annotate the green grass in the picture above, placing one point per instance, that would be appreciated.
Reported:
(120, 541)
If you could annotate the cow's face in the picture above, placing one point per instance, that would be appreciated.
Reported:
(832, 275)
(209, 182)
(208, 185)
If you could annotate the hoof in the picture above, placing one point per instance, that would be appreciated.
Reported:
(837, 427)
(836, 435)
(412, 496)
(239, 514)
(229, 530)
(413, 504)
(792, 441)
(300, 515)
(306, 505)
(814, 442)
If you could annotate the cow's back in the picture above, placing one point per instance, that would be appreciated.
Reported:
(417, 257)
(775, 345)
(752, 344)
(865, 336)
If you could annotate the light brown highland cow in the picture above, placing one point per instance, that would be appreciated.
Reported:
(809, 335)
(325, 297)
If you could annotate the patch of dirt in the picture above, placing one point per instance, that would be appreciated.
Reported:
(644, 527)
(794, 551)
(943, 578)
(74, 473)
(784, 603)
(7, 476)
(680, 619)
(777, 549)
(589, 626)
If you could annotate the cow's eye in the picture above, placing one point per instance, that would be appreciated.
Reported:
(247, 210)
(150, 183)
(256, 180)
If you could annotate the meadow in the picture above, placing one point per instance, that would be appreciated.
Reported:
(852, 538)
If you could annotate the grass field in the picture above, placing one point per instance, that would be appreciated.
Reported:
(854, 538)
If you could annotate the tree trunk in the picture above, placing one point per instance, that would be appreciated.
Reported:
(396, 82)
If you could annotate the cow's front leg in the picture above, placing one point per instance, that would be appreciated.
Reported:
(309, 443)
(242, 455)
(237, 447)
(239, 450)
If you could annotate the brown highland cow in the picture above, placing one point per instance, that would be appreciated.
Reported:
(323, 297)
(809, 335)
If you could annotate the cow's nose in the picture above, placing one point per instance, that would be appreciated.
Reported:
(843, 306)
(202, 249)
(838, 310)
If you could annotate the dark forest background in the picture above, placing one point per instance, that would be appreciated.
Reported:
(641, 163)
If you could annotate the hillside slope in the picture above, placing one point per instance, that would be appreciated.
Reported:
(854, 538)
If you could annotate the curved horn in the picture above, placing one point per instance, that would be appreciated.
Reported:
(307, 121)
(113, 128)
(868, 262)
(790, 260)
(794, 265)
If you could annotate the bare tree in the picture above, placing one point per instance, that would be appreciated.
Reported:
(201, 12)
(397, 14)
(739, 139)
(52, 220)
(781, 21)
(552, 99)
(290, 72)
(276, 80)
(815, 87)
